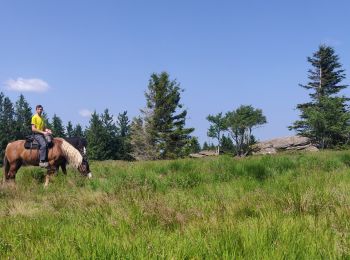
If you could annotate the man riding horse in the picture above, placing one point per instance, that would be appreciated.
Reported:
(61, 152)
(41, 135)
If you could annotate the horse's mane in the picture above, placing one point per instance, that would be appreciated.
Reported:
(72, 155)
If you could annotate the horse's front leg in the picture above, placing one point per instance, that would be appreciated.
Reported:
(50, 171)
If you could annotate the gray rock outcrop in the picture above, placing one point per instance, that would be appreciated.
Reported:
(203, 153)
(289, 143)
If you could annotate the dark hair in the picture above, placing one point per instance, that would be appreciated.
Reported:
(38, 106)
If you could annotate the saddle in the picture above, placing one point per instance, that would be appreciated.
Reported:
(31, 143)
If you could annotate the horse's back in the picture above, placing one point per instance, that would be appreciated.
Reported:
(14, 149)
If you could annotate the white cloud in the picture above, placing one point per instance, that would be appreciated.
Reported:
(27, 85)
(85, 112)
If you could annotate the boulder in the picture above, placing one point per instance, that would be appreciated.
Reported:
(204, 153)
(289, 143)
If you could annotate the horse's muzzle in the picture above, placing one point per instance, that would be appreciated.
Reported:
(89, 175)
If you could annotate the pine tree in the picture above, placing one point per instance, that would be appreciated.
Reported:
(205, 146)
(78, 131)
(109, 135)
(143, 147)
(69, 129)
(22, 118)
(57, 126)
(166, 123)
(7, 124)
(123, 126)
(23, 115)
(46, 120)
(97, 138)
(227, 145)
(192, 146)
(325, 119)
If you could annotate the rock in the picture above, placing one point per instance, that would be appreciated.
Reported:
(203, 153)
(196, 155)
(290, 143)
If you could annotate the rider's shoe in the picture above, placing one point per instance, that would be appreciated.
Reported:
(43, 164)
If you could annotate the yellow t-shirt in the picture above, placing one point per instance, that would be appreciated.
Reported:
(38, 121)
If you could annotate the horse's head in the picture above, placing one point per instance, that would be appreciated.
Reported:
(84, 168)
(76, 157)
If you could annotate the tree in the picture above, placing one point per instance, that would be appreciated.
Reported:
(108, 136)
(78, 131)
(97, 144)
(205, 146)
(217, 126)
(69, 129)
(240, 124)
(166, 125)
(192, 146)
(143, 147)
(57, 126)
(325, 119)
(227, 145)
(46, 120)
(7, 126)
(23, 115)
(124, 132)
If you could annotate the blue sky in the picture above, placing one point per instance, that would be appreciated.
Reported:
(79, 56)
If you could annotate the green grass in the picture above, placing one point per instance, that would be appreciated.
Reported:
(284, 206)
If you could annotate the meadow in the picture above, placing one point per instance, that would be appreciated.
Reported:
(283, 206)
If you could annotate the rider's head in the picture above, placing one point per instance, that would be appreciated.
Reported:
(39, 109)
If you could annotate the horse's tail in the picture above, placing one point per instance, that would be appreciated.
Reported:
(6, 166)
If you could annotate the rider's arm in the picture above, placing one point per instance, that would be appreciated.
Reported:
(37, 130)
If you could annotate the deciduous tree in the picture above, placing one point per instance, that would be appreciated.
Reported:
(240, 124)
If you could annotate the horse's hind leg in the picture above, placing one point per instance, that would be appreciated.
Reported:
(10, 175)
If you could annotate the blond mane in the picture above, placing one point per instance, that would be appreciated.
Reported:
(72, 155)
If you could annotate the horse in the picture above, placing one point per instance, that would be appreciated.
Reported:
(16, 155)
(78, 143)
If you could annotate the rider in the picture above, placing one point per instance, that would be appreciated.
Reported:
(40, 132)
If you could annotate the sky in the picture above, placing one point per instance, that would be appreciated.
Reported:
(76, 57)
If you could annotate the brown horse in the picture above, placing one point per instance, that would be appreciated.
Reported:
(16, 156)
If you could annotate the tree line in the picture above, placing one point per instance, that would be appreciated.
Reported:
(160, 131)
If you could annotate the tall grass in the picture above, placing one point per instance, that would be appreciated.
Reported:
(284, 206)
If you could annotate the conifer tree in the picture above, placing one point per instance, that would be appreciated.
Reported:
(46, 120)
(123, 126)
(69, 129)
(142, 145)
(227, 145)
(97, 138)
(23, 115)
(325, 119)
(78, 131)
(57, 126)
(109, 135)
(167, 121)
(205, 146)
(7, 126)
(192, 146)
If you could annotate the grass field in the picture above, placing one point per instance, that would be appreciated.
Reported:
(285, 206)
